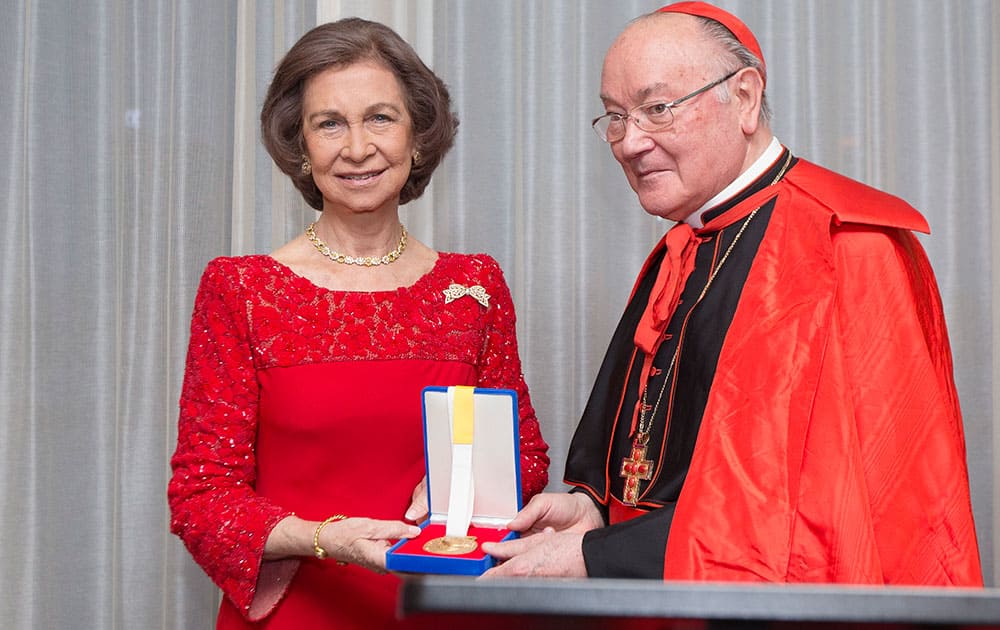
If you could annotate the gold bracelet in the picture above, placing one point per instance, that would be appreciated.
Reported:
(318, 551)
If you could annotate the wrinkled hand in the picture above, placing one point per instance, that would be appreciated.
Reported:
(364, 541)
(417, 511)
(554, 524)
(557, 511)
(548, 554)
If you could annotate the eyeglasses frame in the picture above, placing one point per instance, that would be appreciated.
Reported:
(670, 106)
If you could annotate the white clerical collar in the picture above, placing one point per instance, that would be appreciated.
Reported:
(758, 168)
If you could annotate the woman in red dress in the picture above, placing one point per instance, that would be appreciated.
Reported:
(300, 452)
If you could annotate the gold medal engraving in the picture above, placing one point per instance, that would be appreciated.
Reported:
(451, 545)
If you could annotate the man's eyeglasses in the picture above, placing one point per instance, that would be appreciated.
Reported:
(650, 117)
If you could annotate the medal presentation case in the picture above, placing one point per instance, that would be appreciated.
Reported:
(473, 481)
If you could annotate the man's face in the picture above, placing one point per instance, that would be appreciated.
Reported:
(675, 170)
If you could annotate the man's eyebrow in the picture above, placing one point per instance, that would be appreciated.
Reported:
(646, 92)
(642, 96)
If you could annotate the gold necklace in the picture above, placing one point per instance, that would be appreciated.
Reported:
(364, 261)
(636, 466)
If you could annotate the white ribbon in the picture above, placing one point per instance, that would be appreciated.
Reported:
(463, 493)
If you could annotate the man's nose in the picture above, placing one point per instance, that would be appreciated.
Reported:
(635, 141)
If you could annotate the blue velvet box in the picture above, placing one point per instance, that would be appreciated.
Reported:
(496, 474)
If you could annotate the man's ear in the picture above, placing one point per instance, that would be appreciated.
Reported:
(749, 94)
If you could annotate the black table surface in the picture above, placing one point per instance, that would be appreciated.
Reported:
(721, 604)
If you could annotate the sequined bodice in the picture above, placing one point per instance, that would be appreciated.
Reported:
(292, 321)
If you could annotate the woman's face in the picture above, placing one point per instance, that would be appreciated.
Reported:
(358, 136)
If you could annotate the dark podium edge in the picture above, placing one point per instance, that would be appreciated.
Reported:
(704, 600)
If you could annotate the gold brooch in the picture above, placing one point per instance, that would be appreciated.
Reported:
(476, 292)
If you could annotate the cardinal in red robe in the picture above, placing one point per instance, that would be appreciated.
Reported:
(777, 403)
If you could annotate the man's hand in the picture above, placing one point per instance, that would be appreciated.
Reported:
(548, 554)
(557, 511)
(554, 524)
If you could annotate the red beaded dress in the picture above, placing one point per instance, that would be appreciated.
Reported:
(299, 399)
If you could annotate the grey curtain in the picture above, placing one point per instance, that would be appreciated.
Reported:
(130, 158)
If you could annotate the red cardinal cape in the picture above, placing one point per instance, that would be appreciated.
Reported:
(831, 447)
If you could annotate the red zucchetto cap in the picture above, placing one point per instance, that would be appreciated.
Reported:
(743, 34)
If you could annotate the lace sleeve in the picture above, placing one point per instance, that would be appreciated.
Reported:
(500, 366)
(214, 508)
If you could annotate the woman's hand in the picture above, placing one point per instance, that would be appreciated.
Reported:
(417, 511)
(363, 541)
(360, 541)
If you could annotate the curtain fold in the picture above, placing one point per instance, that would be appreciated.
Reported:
(131, 156)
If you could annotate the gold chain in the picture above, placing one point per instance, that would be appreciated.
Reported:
(645, 423)
(364, 261)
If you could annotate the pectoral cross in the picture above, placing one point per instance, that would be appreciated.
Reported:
(636, 467)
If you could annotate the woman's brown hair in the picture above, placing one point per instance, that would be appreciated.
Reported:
(342, 43)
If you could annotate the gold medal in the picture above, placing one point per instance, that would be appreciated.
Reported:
(451, 545)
